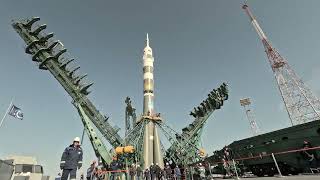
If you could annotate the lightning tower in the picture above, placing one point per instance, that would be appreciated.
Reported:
(302, 106)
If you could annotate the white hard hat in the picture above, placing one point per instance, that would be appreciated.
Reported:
(200, 164)
(77, 139)
(157, 164)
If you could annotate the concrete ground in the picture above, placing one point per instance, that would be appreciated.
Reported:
(298, 177)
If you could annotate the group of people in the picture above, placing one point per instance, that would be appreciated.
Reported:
(154, 172)
(71, 161)
(135, 172)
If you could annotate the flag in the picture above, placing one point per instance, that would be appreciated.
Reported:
(16, 112)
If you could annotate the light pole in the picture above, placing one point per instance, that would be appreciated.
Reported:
(253, 124)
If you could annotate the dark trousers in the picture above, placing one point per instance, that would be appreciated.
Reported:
(67, 172)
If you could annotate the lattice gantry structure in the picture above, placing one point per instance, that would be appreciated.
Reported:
(302, 106)
(48, 54)
(140, 132)
(185, 146)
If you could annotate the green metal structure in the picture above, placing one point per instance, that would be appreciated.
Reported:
(50, 55)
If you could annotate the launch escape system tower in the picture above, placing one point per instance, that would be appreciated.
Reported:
(141, 132)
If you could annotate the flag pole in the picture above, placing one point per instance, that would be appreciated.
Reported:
(5, 115)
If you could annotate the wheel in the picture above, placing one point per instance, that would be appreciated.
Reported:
(270, 174)
(294, 171)
(260, 174)
(271, 171)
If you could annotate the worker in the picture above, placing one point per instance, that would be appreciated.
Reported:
(158, 171)
(132, 172)
(153, 171)
(202, 171)
(168, 171)
(139, 172)
(309, 155)
(114, 167)
(71, 160)
(177, 173)
(147, 175)
(91, 170)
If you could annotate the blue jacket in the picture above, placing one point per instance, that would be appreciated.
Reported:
(71, 158)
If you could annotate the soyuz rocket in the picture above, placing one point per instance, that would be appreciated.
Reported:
(151, 145)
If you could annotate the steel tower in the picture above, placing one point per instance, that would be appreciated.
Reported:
(301, 104)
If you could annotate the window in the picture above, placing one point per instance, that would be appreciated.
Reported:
(38, 169)
(23, 168)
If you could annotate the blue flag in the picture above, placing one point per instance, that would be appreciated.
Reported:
(16, 112)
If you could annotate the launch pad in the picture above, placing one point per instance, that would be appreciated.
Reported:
(141, 133)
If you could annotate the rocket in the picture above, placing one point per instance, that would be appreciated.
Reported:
(148, 82)
(151, 144)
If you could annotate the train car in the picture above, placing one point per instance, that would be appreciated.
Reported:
(254, 153)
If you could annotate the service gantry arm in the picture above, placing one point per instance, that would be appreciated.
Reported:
(185, 146)
(99, 147)
(50, 57)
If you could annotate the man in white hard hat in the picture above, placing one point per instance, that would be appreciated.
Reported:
(71, 160)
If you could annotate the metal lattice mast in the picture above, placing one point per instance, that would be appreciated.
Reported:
(185, 145)
(302, 106)
(253, 124)
(49, 56)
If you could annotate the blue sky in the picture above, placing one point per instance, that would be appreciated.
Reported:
(197, 45)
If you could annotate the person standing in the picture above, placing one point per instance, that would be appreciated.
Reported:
(153, 171)
(71, 160)
(158, 171)
(147, 174)
(114, 167)
(90, 170)
(139, 172)
(310, 156)
(202, 171)
(177, 173)
(168, 171)
(132, 172)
